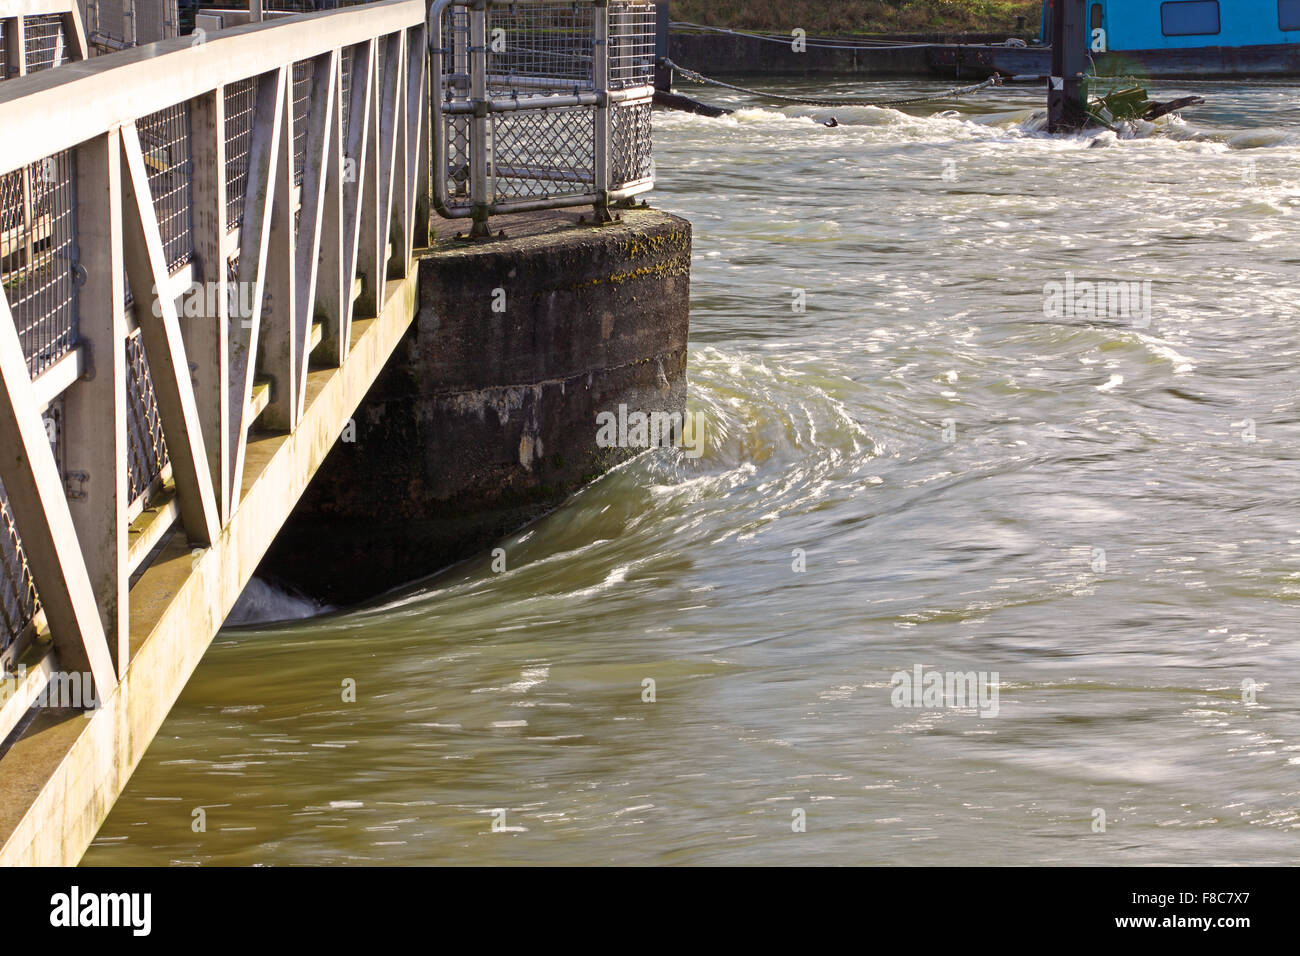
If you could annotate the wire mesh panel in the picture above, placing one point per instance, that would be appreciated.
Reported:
(116, 24)
(155, 20)
(110, 24)
(539, 154)
(303, 72)
(165, 141)
(37, 246)
(541, 46)
(45, 42)
(345, 104)
(239, 137)
(630, 148)
(146, 448)
(18, 601)
(631, 45)
(457, 143)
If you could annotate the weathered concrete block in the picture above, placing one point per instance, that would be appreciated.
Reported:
(485, 418)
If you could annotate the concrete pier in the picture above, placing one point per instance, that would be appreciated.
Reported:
(485, 418)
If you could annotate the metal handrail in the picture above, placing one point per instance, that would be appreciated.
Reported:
(47, 112)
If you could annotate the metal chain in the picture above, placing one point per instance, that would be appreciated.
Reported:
(694, 77)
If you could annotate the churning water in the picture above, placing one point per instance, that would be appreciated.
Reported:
(1100, 510)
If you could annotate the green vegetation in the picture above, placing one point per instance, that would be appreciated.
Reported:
(862, 16)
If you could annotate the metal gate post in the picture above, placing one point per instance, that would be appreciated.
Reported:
(479, 136)
(600, 65)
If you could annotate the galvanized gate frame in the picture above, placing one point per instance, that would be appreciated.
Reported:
(473, 107)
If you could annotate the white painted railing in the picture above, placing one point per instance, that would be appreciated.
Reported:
(39, 35)
(540, 104)
(196, 223)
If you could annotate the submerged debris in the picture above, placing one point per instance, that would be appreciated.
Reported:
(1122, 112)
(1133, 103)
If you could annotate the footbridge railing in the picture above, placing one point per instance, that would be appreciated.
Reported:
(188, 229)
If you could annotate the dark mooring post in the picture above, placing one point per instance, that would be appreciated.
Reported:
(663, 73)
(664, 95)
(1066, 93)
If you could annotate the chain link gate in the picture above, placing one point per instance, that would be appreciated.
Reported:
(540, 105)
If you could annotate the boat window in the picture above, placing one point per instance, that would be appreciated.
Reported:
(1192, 18)
(1288, 14)
(1096, 16)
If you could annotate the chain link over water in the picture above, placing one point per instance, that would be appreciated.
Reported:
(694, 77)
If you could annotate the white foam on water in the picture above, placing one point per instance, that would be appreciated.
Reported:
(265, 603)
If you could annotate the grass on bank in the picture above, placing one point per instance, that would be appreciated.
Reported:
(862, 16)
